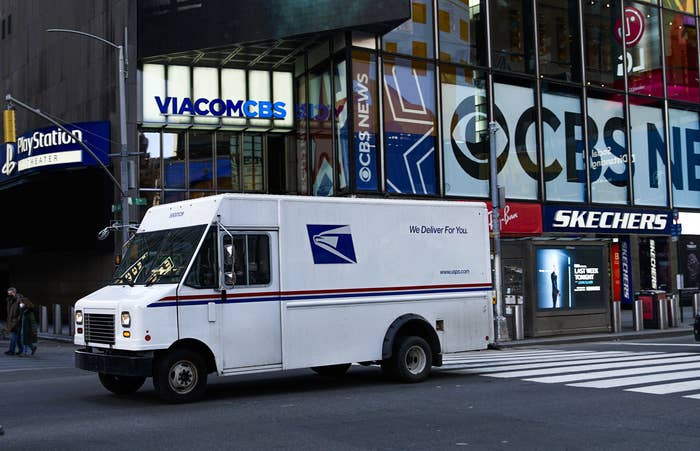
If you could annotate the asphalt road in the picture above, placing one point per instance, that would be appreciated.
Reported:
(478, 402)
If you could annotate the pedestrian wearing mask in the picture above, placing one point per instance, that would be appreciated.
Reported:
(12, 325)
(27, 328)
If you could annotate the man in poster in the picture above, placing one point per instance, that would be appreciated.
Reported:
(555, 290)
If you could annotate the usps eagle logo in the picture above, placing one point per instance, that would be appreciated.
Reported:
(331, 243)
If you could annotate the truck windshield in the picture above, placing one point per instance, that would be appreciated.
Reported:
(158, 257)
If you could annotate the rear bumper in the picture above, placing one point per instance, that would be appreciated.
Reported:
(118, 365)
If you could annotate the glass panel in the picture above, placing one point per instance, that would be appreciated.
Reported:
(174, 196)
(687, 6)
(206, 85)
(462, 31)
(516, 141)
(320, 129)
(564, 157)
(233, 87)
(258, 259)
(282, 92)
(685, 157)
(201, 161)
(341, 125)
(514, 45)
(179, 86)
(465, 131)
(301, 113)
(366, 118)
(259, 91)
(415, 36)
(648, 153)
(558, 39)
(149, 161)
(680, 41)
(174, 159)
(643, 50)
(252, 163)
(153, 82)
(205, 269)
(607, 148)
(228, 157)
(602, 44)
(410, 126)
(240, 262)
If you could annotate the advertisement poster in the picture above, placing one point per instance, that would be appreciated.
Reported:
(690, 261)
(570, 277)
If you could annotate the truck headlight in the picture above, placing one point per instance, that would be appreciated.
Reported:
(78, 317)
(126, 319)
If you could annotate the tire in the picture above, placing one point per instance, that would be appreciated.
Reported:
(121, 385)
(412, 359)
(334, 371)
(180, 376)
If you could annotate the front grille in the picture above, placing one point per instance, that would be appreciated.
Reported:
(99, 328)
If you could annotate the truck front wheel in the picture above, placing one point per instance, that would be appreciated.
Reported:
(180, 376)
(411, 360)
(121, 385)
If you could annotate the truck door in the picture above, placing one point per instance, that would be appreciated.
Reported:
(250, 327)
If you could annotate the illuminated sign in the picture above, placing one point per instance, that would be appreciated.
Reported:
(221, 107)
(594, 220)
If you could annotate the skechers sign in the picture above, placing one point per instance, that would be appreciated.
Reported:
(613, 221)
(53, 147)
(221, 107)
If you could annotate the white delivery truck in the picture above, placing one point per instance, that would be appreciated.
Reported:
(237, 284)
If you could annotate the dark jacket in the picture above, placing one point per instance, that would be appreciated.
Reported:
(13, 312)
(28, 325)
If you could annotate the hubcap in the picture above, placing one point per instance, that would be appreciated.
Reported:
(183, 377)
(416, 359)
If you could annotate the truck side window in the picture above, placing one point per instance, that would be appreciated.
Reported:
(203, 273)
(251, 263)
(258, 259)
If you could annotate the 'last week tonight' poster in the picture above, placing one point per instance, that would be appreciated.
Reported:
(570, 277)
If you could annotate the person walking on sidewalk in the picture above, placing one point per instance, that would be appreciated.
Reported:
(12, 325)
(27, 328)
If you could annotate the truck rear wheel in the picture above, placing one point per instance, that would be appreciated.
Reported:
(121, 385)
(412, 359)
(180, 376)
(331, 370)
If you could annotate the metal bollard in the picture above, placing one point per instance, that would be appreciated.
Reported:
(638, 315)
(674, 310)
(696, 304)
(616, 317)
(71, 322)
(662, 306)
(57, 319)
(44, 318)
(519, 332)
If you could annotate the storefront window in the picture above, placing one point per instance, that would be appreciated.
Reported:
(341, 124)
(320, 116)
(643, 54)
(410, 128)
(685, 158)
(201, 161)
(564, 156)
(300, 111)
(602, 46)
(516, 140)
(558, 39)
(253, 162)
(462, 33)
(415, 36)
(365, 120)
(174, 159)
(648, 152)
(149, 162)
(654, 268)
(228, 157)
(687, 6)
(607, 148)
(465, 128)
(513, 37)
(680, 44)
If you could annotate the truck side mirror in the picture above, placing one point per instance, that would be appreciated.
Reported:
(229, 261)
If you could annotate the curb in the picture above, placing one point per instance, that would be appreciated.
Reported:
(53, 337)
(621, 336)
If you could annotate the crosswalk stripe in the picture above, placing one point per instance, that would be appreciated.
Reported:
(581, 365)
(613, 373)
(508, 356)
(549, 358)
(697, 396)
(637, 380)
(664, 389)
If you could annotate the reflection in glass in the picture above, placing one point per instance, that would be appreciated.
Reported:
(228, 157)
(513, 44)
(643, 51)
(201, 161)
(687, 6)
(410, 126)
(465, 131)
(558, 39)
(564, 157)
(602, 47)
(648, 152)
(685, 159)
(252, 163)
(680, 43)
(174, 159)
(300, 112)
(607, 148)
(149, 160)
(462, 33)
(320, 114)
(415, 36)
(341, 124)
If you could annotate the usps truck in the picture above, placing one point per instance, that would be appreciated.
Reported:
(237, 284)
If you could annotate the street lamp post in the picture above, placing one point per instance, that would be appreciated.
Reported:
(123, 155)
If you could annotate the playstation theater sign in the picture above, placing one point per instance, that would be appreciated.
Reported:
(564, 160)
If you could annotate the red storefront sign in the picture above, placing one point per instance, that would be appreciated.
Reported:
(615, 271)
(519, 218)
